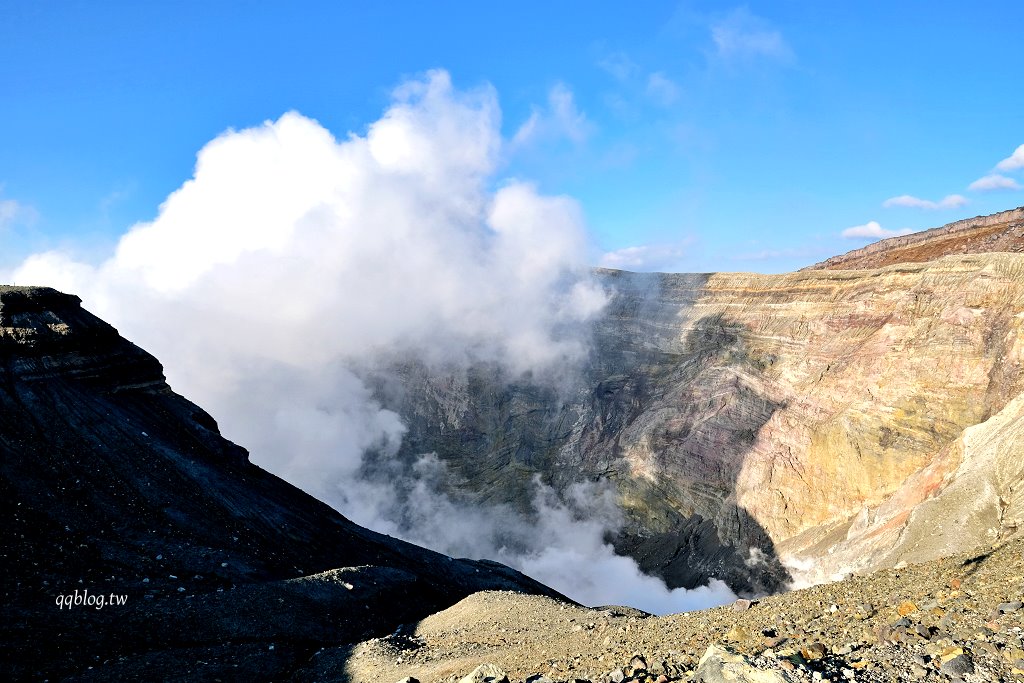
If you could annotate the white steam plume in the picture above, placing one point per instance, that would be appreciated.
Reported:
(290, 256)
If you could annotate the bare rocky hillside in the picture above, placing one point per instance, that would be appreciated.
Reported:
(1003, 231)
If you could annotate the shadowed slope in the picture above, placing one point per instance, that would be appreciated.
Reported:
(113, 484)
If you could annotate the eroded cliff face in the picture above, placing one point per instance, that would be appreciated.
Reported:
(833, 419)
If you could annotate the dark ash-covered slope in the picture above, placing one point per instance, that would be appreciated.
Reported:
(111, 483)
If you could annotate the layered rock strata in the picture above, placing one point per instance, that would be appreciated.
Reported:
(834, 419)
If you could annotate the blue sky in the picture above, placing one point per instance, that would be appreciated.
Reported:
(696, 136)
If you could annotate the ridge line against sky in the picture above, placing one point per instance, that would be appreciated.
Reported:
(696, 136)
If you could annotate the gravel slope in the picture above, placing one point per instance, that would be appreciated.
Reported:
(959, 618)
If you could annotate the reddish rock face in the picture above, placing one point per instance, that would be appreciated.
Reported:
(1001, 232)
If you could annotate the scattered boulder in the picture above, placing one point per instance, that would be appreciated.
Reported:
(1008, 607)
(958, 666)
(486, 673)
(719, 665)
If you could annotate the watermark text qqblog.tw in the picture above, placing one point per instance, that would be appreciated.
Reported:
(84, 599)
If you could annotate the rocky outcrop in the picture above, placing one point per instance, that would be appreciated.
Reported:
(719, 665)
(138, 544)
(973, 492)
(826, 418)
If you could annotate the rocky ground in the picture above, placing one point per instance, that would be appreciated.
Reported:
(959, 618)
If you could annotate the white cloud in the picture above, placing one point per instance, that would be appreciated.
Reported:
(951, 201)
(8, 210)
(292, 261)
(561, 118)
(643, 258)
(662, 89)
(994, 181)
(872, 230)
(13, 212)
(619, 65)
(1014, 161)
(372, 241)
(744, 35)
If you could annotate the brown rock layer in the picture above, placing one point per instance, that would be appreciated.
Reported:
(1003, 231)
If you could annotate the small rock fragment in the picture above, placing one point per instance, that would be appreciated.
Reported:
(636, 665)
(737, 633)
(906, 607)
(814, 651)
(950, 652)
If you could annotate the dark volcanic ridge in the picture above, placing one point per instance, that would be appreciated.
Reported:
(112, 485)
